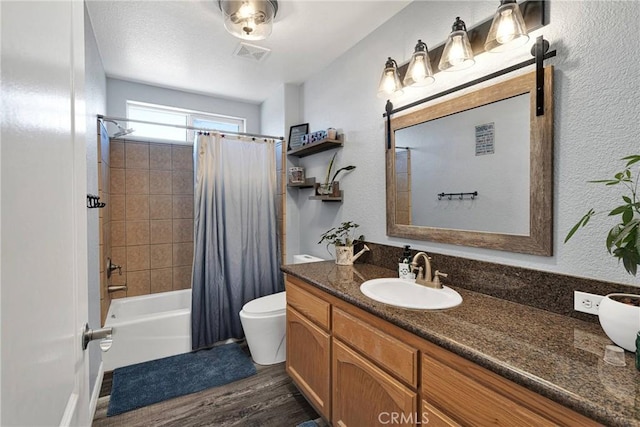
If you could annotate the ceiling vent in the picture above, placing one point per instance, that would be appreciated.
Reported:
(251, 52)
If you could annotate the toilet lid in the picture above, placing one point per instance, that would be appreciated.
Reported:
(267, 304)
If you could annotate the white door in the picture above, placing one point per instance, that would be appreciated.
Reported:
(43, 217)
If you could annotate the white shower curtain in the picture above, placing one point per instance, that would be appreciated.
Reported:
(236, 257)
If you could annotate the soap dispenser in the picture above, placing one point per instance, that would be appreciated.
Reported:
(404, 266)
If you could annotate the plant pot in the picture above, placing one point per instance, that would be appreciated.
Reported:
(330, 190)
(344, 255)
(620, 321)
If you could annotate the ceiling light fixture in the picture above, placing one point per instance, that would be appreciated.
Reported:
(249, 19)
(508, 30)
(457, 54)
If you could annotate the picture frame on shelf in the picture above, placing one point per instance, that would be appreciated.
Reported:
(296, 133)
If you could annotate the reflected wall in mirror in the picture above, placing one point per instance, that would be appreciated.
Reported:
(476, 170)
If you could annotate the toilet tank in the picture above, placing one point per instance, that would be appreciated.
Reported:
(302, 258)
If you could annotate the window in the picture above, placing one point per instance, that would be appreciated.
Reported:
(178, 117)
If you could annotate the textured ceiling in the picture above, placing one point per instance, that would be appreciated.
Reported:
(183, 44)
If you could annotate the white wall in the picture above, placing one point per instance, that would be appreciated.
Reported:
(280, 111)
(596, 123)
(119, 91)
(96, 103)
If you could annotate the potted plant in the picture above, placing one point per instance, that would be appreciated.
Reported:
(343, 238)
(330, 186)
(619, 314)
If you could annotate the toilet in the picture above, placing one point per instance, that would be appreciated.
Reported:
(263, 321)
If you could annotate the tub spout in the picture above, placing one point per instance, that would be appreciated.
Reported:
(91, 334)
(116, 288)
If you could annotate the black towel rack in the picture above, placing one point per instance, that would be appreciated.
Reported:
(459, 195)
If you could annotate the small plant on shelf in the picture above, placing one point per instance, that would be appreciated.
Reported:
(328, 187)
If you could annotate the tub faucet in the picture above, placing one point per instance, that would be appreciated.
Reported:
(111, 267)
(425, 279)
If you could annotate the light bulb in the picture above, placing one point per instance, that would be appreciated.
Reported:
(456, 54)
(389, 85)
(506, 27)
(418, 72)
(246, 10)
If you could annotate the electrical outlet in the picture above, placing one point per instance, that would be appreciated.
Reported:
(586, 302)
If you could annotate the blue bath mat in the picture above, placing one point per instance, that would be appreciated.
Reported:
(151, 382)
(318, 422)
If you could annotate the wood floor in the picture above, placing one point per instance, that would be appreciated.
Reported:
(266, 399)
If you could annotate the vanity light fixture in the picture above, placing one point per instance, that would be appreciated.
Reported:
(511, 25)
(419, 72)
(249, 19)
(457, 54)
(390, 84)
(508, 30)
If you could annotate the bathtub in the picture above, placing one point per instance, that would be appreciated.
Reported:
(148, 327)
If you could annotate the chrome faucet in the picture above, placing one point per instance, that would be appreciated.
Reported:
(426, 279)
(111, 267)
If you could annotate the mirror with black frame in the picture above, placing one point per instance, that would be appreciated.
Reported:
(476, 170)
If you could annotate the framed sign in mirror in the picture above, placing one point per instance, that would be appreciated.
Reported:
(476, 170)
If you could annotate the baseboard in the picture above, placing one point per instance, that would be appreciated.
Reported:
(95, 393)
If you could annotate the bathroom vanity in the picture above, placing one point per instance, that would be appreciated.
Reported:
(485, 362)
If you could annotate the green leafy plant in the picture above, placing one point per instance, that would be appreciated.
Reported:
(326, 180)
(346, 168)
(345, 235)
(623, 240)
(335, 175)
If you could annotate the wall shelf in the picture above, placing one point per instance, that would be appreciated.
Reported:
(315, 147)
(308, 183)
(328, 198)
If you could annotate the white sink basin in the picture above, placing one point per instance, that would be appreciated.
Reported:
(406, 294)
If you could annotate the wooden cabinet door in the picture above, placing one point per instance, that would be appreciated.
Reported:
(366, 396)
(435, 418)
(309, 360)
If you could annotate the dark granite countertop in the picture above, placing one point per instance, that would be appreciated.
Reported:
(556, 356)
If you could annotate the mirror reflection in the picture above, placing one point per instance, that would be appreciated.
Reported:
(476, 170)
(467, 171)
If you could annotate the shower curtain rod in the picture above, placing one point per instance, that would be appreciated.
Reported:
(255, 135)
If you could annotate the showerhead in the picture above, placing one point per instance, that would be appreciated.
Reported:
(121, 130)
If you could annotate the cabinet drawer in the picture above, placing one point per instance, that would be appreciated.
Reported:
(471, 402)
(311, 306)
(471, 395)
(435, 418)
(397, 357)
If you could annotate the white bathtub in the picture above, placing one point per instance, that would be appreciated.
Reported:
(148, 327)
